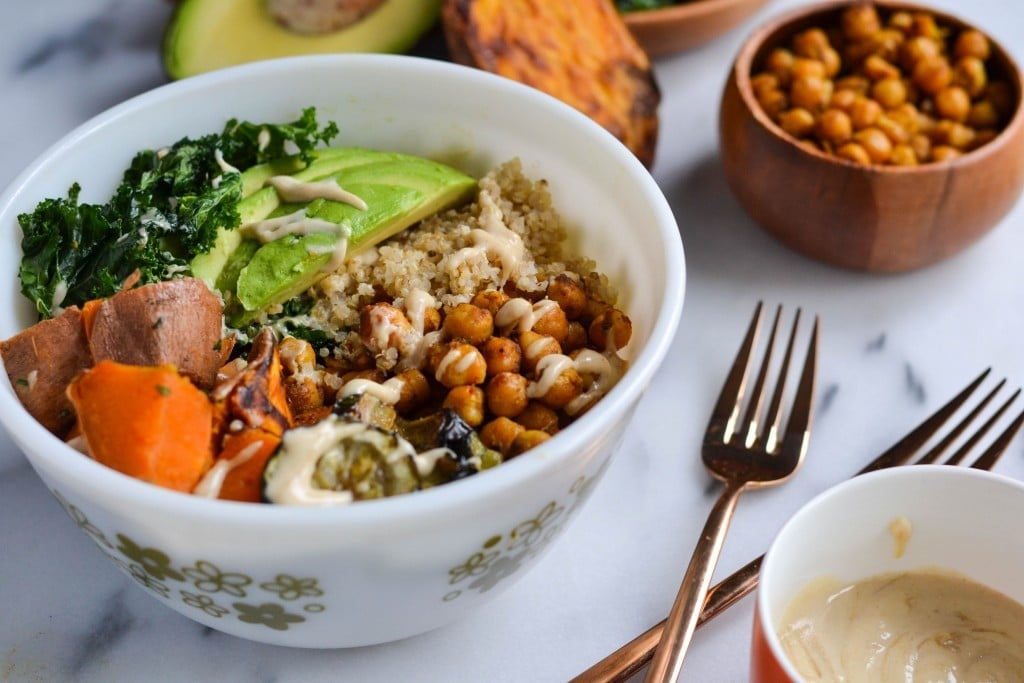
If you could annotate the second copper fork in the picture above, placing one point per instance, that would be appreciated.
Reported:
(743, 454)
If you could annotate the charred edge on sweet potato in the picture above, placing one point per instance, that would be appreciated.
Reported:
(580, 52)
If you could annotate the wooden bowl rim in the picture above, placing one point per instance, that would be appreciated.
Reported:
(690, 9)
(741, 73)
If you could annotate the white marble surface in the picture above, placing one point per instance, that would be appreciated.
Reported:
(893, 348)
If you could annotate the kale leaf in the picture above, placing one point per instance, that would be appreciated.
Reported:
(169, 207)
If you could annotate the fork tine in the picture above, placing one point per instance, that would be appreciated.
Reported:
(749, 426)
(940, 448)
(901, 451)
(773, 417)
(962, 452)
(797, 432)
(727, 408)
(988, 459)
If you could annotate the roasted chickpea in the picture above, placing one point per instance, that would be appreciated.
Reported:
(901, 21)
(797, 122)
(983, 115)
(536, 415)
(860, 22)
(569, 295)
(855, 83)
(383, 327)
(506, 394)
(810, 43)
(842, 100)
(983, 136)
(931, 74)
(864, 113)
(922, 146)
(832, 61)
(468, 402)
(525, 440)
(810, 92)
(834, 127)
(945, 153)
(773, 102)
(576, 337)
(557, 393)
(303, 393)
(924, 25)
(903, 155)
(889, 92)
(610, 330)
(877, 68)
(458, 363)
(906, 115)
(761, 83)
(953, 103)
(875, 143)
(490, 300)
(918, 49)
(414, 393)
(970, 74)
(534, 347)
(469, 322)
(501, 355)
(780, 64)
(553, 323)
(896, 133)
(297, 355)
(803, 67)
(972, 43)
(854, 152)
(499, 434)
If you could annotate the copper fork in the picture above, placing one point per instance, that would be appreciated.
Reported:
(631, 658)
(743, 455)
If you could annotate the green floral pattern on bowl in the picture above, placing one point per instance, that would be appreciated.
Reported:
(285, 600)
(204, 586)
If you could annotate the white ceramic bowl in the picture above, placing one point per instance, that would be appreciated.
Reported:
(378, 570)
(962, 520)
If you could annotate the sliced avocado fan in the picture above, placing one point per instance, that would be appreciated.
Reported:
(399, 190)
(204, 35)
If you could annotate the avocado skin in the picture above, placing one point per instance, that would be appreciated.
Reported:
(204, 35)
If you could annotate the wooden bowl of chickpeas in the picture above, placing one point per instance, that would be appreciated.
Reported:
(878, 136)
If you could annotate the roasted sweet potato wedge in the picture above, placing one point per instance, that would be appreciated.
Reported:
(580, 52)
(41, 361)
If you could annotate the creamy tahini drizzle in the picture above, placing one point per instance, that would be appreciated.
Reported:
(925, 625)
(387, 392)
(212, 482)
(293, 190)
(493, 240)
(292, 483)
(588, 363)
(522, 314)
(298, 223)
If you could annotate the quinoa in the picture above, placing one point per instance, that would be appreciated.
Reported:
(438, 257)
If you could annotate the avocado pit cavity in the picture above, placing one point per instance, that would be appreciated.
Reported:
(315, 17)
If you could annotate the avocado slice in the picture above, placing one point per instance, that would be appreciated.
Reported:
(398, 191)
(204, 35)
(259, 202)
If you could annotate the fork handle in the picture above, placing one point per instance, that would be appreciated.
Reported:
(629, 659)
(682, 620)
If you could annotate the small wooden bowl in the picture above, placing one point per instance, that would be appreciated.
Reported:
(691, 23)
(872, 218)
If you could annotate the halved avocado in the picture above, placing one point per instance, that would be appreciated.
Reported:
(204, 35)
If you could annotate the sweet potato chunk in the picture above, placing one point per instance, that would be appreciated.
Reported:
(580, 52)
(177, 322)
(41, 361)
(250, 414)
(147, 422)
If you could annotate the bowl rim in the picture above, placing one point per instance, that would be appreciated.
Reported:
(741, 72)
(109, 483)
(684, 10)
(913, 473)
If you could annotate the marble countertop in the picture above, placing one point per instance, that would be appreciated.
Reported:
(893, 349)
